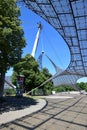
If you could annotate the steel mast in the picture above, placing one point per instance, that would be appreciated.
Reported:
(36, 40)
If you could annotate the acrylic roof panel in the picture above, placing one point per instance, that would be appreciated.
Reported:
(69, 18)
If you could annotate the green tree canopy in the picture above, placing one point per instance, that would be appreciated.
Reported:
(28, 67)
(82, 86)
(11, 37)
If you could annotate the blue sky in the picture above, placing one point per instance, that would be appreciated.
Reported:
(50, 41)
(53, 44)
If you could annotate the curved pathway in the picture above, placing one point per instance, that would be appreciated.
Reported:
(59, 114)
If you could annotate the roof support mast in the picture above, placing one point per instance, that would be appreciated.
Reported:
(36, 40)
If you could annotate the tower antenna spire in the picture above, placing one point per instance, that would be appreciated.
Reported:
(36, 40)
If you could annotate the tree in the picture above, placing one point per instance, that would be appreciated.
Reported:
(45, 71)
(82, 86)
(47, 88)
(11, 37)
(29, 68)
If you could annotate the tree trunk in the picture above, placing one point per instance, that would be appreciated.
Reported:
(2, 79)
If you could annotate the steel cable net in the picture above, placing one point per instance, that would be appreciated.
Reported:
(69, 18)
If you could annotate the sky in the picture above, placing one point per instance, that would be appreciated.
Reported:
(50, 42)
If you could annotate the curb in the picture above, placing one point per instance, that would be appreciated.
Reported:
(14, 115)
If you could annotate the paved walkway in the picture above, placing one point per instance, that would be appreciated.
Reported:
(59, 114)
(7, 117)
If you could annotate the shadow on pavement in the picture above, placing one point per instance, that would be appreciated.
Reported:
(61, 114)
(12, 103)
